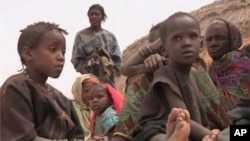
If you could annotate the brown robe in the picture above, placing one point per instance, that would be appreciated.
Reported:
(155, 108)
(29, 110)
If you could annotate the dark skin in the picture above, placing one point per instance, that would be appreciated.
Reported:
(47, 58)
(100, 99)
(137, 64)
(217, 40)
(182, 44)
(85, 92)
(178, 127)
(95, 19)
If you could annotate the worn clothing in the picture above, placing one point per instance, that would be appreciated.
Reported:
(211, 99)
(87, 44)
(155, 109)
(106, 121)
(83, 111)
(231, 75)
(135, 92)
(30, 110)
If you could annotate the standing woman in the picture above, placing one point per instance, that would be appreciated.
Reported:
(96, 50)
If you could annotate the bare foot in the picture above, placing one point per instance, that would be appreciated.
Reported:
(178, 125)
(212, 135)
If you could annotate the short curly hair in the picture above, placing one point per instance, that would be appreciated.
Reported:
(32, 35)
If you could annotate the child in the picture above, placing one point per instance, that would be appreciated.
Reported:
(137, 86)
(33, 109)
(172, 86)
(106, 104)
(230, 68)
(80, 90)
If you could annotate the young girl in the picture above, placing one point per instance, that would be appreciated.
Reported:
(106, 104)
(80, 91)
(230, 68)
(33, 109)
(172, 85)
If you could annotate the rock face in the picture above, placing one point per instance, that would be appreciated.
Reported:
(235, 11)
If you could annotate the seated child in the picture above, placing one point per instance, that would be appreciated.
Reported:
(80, 91)
(33, 109)
(172, 85)
(106, 103)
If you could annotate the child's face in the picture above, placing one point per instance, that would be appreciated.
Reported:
(183, 40)
(99, 99)
(217, 40)
(95, 17)
(48, 56)
(85, 92)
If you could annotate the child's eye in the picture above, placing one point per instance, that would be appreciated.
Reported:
(193, 36)
(177, 38)
(52, 49)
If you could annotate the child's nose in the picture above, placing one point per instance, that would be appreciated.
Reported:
(60, 56)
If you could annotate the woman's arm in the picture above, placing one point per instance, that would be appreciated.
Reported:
(116, 55)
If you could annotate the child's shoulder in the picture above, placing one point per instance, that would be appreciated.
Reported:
(164, 71)
(107, 32)
(109, 112)
(15, 81)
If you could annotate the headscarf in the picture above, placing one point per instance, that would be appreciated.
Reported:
(77, 86)
(84, 113)
(117, 101)
(235, 38)
(231, 72)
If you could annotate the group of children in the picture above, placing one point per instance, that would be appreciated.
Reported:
(173, 97)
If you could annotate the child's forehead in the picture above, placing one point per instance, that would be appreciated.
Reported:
(52, 35)
(98, 87)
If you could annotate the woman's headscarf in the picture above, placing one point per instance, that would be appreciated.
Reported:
(84, 113)
(117, 101)
(235, 38)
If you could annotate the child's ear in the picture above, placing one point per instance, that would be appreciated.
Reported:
(27, 54)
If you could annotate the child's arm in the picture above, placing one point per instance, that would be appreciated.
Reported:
(135, 64)
(109, 121)
(17, 121)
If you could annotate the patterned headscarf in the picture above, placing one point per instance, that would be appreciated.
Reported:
(235, 40)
